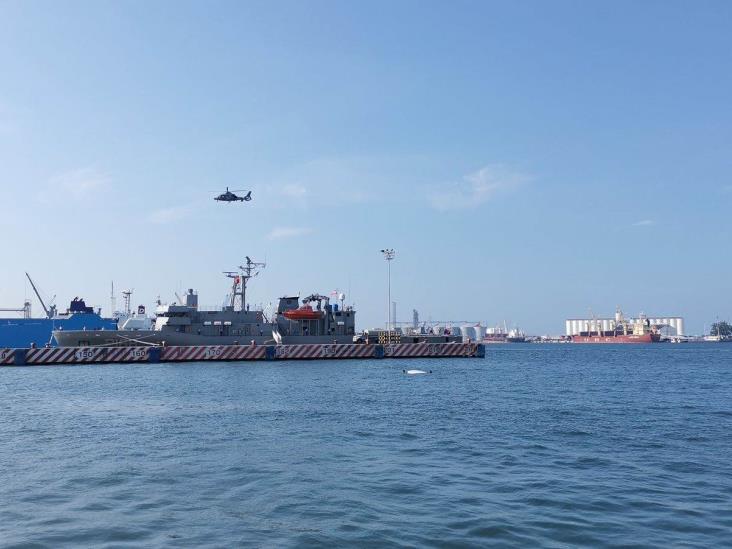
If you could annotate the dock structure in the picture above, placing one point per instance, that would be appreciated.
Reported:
(235, 353)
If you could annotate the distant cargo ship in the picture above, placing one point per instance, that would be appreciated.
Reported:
(504, 335)
(37, 332)
(516, 336)
(617, 338)
(622, 331)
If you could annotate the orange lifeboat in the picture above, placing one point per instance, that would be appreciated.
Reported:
(305, 312)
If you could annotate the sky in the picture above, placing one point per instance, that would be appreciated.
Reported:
(528, 161)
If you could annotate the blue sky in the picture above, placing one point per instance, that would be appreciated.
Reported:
(527, 160)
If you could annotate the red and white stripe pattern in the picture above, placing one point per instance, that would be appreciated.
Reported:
(421, 350)
(65, 355)
(7, 356)
(320, 351)
(127, 354)
(218, 352)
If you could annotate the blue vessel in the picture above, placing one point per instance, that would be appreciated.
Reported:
(38, 332)
(27, 332)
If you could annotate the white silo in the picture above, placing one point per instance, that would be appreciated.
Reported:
(468, 332)
(479, 332)
(675, 325)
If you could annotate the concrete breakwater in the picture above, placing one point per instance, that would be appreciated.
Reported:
(235, 353)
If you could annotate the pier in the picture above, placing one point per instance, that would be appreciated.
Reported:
(235, 353)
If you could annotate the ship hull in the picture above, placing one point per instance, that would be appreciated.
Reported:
(645, 338)
(119, 338)
(27, 332)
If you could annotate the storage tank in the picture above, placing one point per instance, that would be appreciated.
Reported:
(468, 332)
(479, 332)
(677, 328)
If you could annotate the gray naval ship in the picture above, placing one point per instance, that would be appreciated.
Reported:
(316, 320)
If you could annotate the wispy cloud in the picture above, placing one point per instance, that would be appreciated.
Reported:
(288, 232)
(163, 216)
(644, 223)
(74, 186)
(476, 188)
(329, 182)
(294, 190)
(80, 183)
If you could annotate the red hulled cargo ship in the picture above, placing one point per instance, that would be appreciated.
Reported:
(619, 338)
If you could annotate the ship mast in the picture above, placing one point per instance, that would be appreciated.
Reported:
(241, 279)
(127, 300)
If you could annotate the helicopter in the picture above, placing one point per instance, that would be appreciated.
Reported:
(229, 196)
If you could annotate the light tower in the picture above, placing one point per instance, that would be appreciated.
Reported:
(389, 255)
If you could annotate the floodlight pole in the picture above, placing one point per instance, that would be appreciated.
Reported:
(389, 255)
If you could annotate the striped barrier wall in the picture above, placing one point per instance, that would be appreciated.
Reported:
(65, 355)
(430, 350)
(7, 357)
(323, 351)
(216, 352)
(127, 354)
(85, 355)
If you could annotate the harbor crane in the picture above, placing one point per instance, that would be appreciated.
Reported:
(51, 309)
(26, 310)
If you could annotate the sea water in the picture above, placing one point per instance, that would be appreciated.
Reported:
(535, 445)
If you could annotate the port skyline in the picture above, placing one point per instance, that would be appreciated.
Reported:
(601, 180)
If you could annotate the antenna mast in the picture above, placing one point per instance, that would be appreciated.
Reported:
(112, 301)
(241, 279)
(127, 297)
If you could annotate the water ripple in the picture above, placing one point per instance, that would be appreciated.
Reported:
(535, 446)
